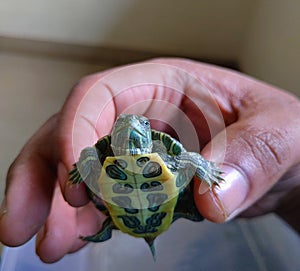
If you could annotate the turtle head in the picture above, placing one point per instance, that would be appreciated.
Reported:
(131, 135)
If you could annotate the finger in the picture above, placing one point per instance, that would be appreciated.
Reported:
(260, 149)
(29, 189)
(53, 240)
(75, 194)
(65, 224)
(77, 130)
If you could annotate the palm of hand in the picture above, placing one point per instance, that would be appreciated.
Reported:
(168, 90)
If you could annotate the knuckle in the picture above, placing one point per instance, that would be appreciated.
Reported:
(269, 149)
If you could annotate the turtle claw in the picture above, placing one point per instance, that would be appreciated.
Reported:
(75, 176)
(211, 175)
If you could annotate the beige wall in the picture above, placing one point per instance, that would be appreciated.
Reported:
(272, 47)
(207, 28)
(263, 35)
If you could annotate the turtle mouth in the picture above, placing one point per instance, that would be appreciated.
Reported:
(130, 151)
(133, 145)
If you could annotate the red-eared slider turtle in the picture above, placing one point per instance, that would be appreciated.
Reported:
(141, 179)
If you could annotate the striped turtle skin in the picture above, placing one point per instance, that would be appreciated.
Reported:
(141, 179)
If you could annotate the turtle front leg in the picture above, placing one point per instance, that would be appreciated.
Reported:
(88, 168)
(206, 171)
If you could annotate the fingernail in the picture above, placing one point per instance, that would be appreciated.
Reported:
(3, 208)
(233, 191)
(203, 188)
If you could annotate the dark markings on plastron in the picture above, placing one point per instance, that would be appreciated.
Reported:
(144, 229)
(130, 221)
(142, 161)
(152, 224)
(151, 186)
(115, 173)
(121, 163)
(125, 203)
(156, 219)
(122, 188)
(155, 201)
(131, 211)
(152, 169)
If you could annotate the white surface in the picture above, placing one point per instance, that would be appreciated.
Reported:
(262, 244)
(24, 259)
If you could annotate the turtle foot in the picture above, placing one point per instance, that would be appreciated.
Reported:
(75, 176)
(88, 168)
(103, 235)
(211, 174)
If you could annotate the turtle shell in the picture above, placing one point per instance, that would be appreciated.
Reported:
(140, 193)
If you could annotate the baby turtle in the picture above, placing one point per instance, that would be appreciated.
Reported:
(141, 179)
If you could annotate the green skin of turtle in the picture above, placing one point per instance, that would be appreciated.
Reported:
(141, 179)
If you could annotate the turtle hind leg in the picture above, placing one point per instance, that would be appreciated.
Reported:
(104, 234)
(150, 242)
(186, 207)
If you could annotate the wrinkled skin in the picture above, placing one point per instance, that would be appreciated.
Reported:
(261, 164)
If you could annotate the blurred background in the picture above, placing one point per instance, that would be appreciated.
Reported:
(47, 46)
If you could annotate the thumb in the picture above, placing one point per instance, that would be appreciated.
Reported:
(260, 148)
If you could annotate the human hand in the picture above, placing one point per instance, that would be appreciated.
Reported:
(255, 129)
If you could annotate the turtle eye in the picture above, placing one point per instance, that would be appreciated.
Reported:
(146, 123)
